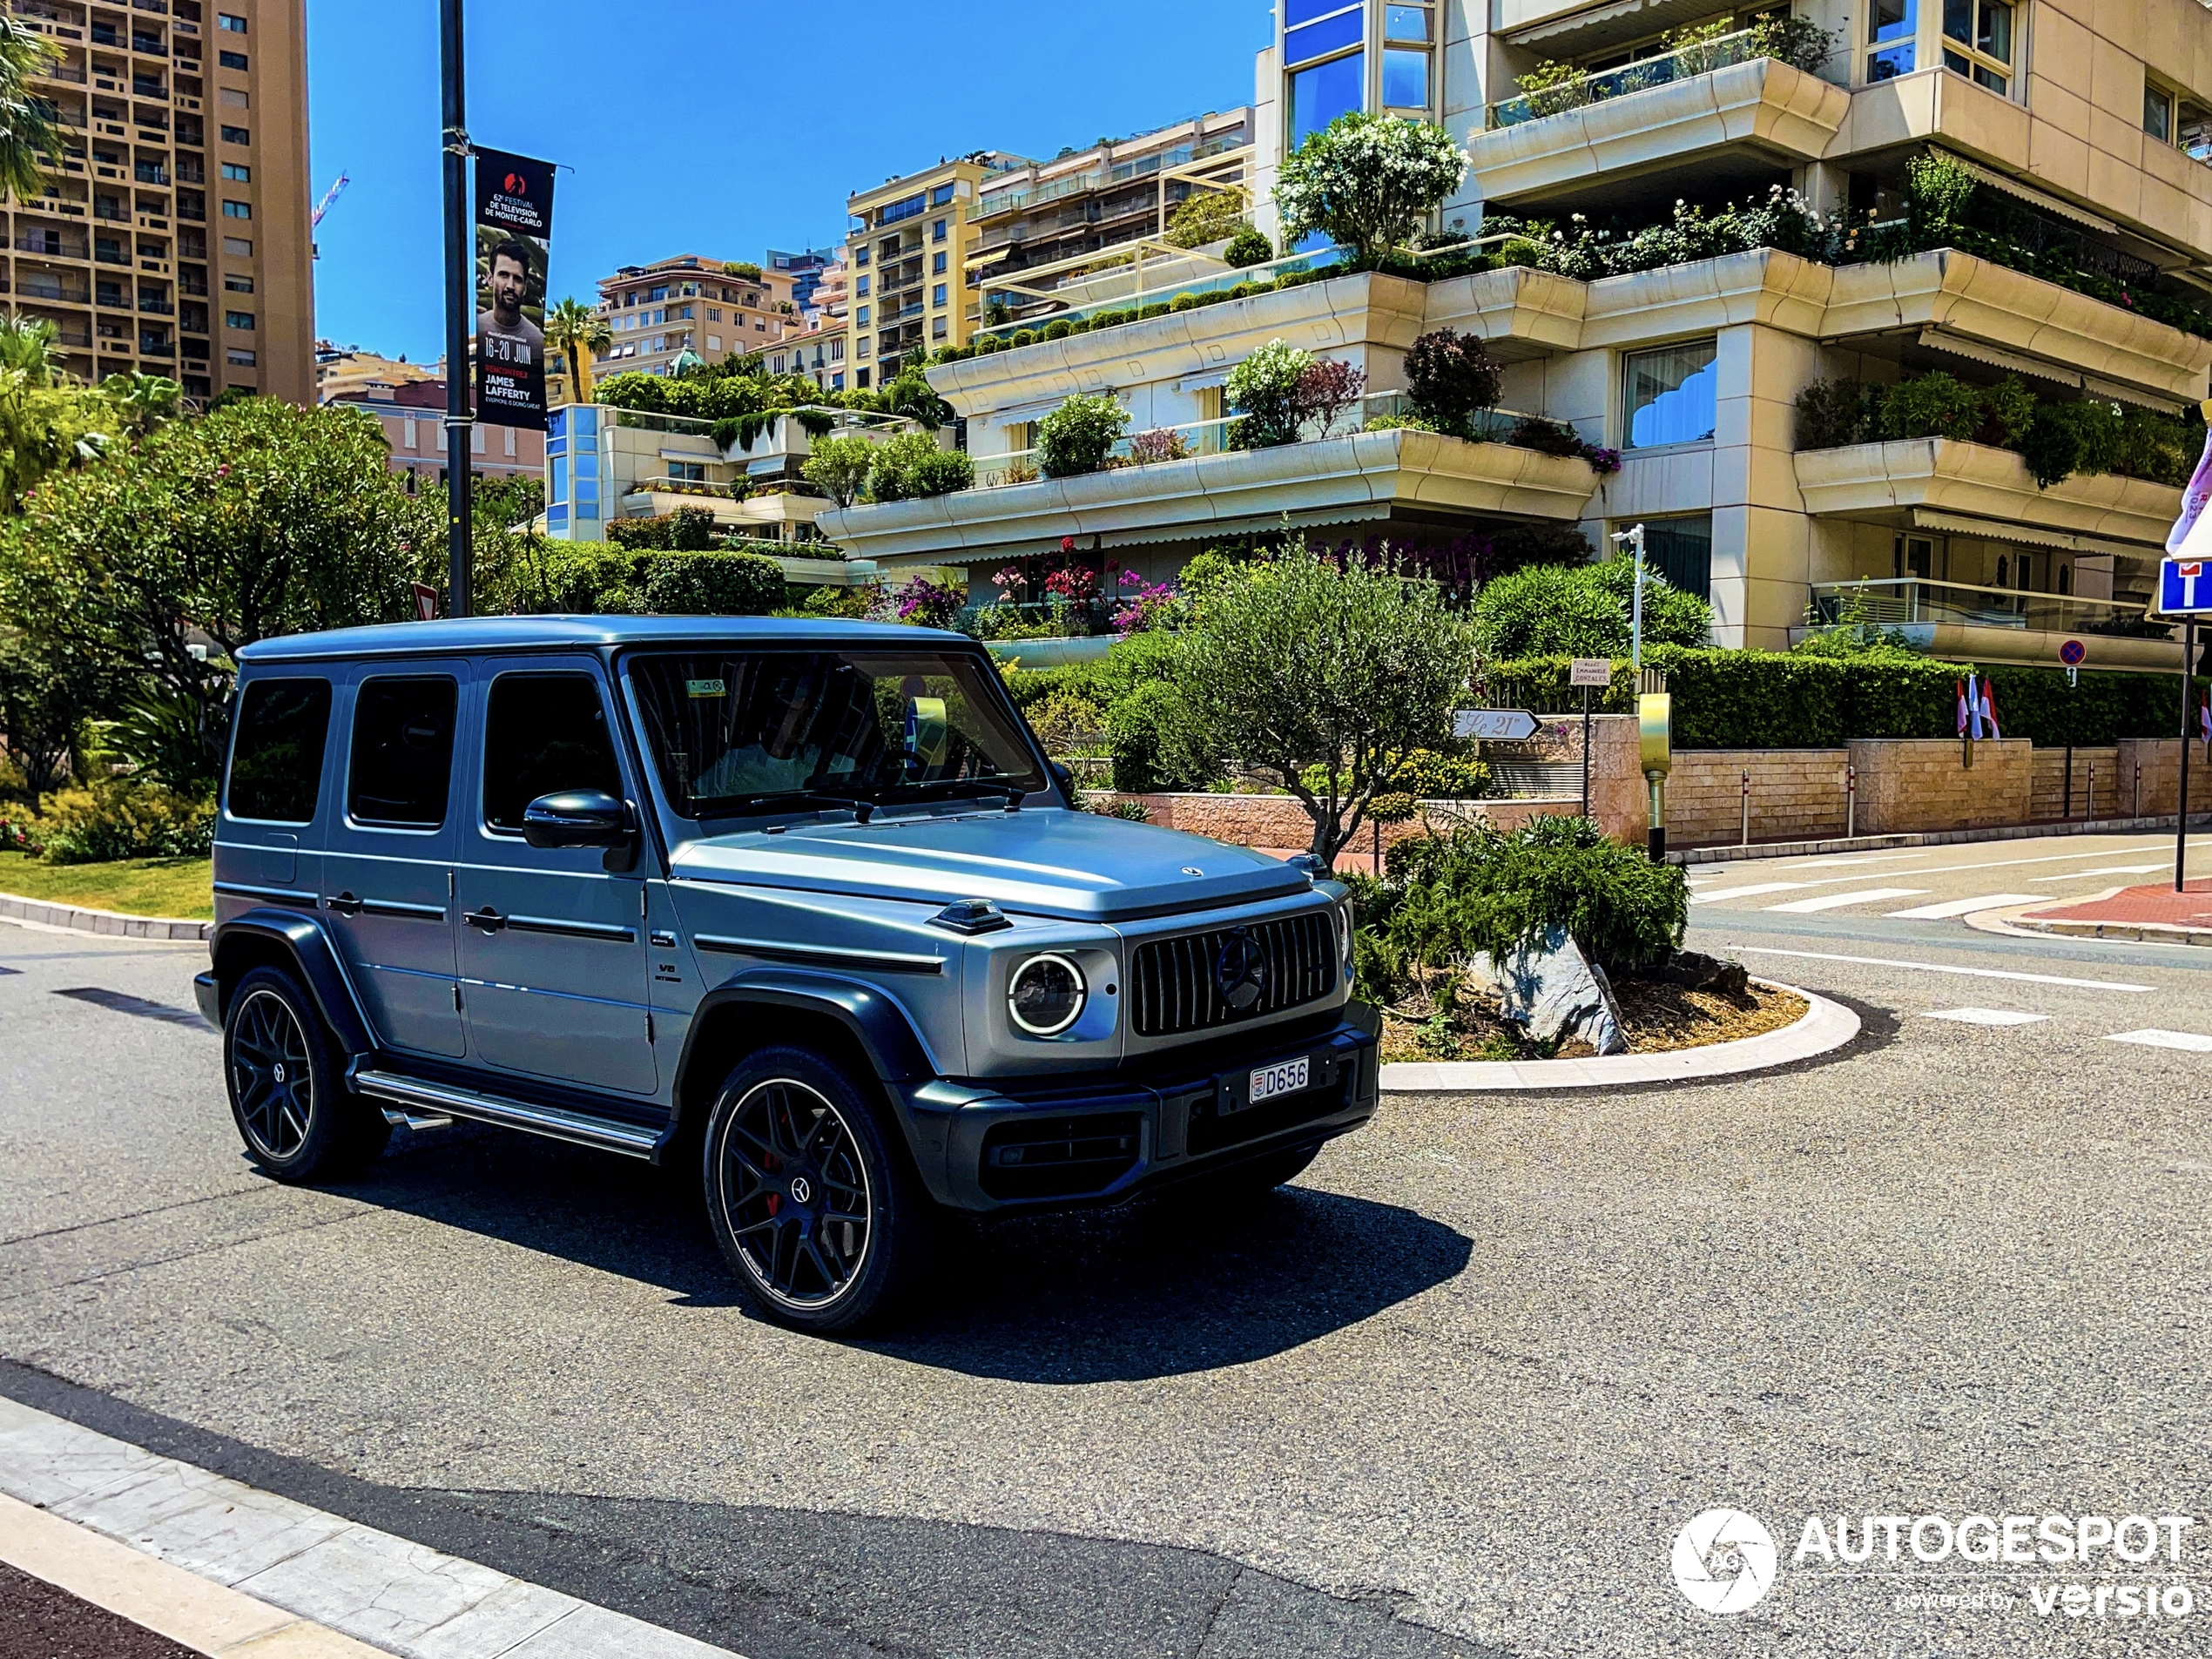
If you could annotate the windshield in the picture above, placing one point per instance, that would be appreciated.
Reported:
(731, 729)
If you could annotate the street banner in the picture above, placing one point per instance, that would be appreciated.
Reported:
(514, 240)
(2193, 499)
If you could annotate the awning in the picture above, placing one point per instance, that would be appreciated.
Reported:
(1203, 382)
(1997, 181)
(1943, 340)
(1603, 25)
(2025, 534)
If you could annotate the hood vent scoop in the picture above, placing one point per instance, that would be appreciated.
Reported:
(970, 916)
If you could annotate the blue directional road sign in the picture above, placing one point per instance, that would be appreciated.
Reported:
(2185, 588)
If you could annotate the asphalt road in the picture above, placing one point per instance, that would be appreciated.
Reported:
(1455, 1393)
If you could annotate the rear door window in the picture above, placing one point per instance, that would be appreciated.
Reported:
(276, 760)
(543, 733)
(402, 758)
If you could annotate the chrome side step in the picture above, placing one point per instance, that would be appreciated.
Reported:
(429, 1099)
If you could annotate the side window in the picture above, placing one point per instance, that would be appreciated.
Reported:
(543, 732)
(402, 756)
(276, 762)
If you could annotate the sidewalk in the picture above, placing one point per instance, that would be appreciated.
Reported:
(2157, 913)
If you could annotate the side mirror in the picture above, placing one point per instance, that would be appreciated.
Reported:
(576, 818)
(1064, 775)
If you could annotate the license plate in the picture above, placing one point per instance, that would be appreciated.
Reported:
(1286, 1078)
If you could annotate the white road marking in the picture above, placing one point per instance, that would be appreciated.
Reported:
(1999, 864)
(1838, 900)
(1830, 861)
(2190, 1041)
(2117, 869)
(1965, 907)
(1943, 968)
(1745, 893)
(1987, 1016)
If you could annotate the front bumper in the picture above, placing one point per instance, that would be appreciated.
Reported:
(1100, 1139)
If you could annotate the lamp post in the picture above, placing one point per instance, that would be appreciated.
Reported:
(1633, 537)
(460, 421)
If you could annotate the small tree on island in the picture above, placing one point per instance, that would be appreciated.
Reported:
(1316, 675)
(1367, 182)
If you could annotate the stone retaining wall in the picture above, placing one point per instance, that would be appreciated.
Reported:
(2096, 786)
(2160, 759)
(1797, 795)
(1926, 783)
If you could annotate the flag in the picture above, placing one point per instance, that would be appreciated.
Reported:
(2204, 721)
(1989, 709)
(1962, 721)
(2193, 499)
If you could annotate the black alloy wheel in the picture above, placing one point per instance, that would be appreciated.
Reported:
(814, 1203)
(286, 1087)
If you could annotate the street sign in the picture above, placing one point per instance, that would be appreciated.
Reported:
(1592, 671)
(1498, 725)
(2074, 653)
(426, 602)
(2185, 588)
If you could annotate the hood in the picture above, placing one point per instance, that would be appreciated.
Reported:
(1050, 862)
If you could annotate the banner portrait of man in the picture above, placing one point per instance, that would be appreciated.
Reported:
(514, 239)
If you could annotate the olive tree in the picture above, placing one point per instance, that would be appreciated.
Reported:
(1315, 674)
(1367, 182)
(840, 466)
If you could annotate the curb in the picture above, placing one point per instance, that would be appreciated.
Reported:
(1823, 1028)
(1731, 854)
(2019, 922)
(113, 924)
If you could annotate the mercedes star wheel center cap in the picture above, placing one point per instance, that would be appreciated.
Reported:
(801, 1189)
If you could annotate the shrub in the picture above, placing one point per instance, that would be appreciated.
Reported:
(1425, 775)
(1475, 889)
(1207, 216)
(1367, 182)
(1065, 719)
(1451, 378)
(2067, 438)
(1328, 390)
(1264, 388)
(1058, 328)
(1156, 309)
(1935, 405)
(1183, 302)
(745, 269)
(123, 818)
(1248, 248)
(1022, 337)
(1831, 413)
(919, 603)
(912, 467)
(1158, 444)
(1582, 611)
(2007, 411)
(1137, 724)
(838, 467)
(713, 584)
(1076, 437)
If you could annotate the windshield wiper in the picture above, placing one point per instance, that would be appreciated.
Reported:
(798, 799)
(945, 788)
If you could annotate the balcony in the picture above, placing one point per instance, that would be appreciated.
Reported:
(1603, 131)
(1365, 479)
(1960, 622)
(1975, 489)
(42, 285)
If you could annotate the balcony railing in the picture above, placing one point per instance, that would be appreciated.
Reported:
(35, 284)
(685, 487)
(1644, 73)
(1267, 272)
(1896, 601)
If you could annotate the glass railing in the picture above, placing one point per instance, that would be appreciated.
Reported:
(1898, 602)
(1196, 439)
(685, 487)
(1222, 284)
(1645, 73)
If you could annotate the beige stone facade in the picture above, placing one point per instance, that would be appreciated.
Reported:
(173, 236)
(906, 262)
(661, 312)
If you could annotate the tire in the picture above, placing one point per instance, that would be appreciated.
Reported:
(823, 1222)
(288, 1091)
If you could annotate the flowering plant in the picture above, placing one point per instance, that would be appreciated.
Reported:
(1073, 584)
(919, 603)
(1149, 609)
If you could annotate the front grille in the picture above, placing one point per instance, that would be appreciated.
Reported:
(1060, 1157)
(1173, 980)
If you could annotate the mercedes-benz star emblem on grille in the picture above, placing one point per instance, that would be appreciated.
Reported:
(1241, 971)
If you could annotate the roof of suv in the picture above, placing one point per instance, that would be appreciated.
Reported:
(476, 635)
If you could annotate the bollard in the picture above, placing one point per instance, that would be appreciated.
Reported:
(2091, 814)
(1747, 809)
(2138, 789)
(1850, 802)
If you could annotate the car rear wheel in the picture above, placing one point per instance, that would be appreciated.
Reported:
(287, 1097)
(816, 1209)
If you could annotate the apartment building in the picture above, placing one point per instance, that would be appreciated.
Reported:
(818, 354)
(343, 371)
(1050, 220)
(805, 269)
(907, 259)
(692, 309)
(172, 235)
(2085, 123)
(412, 413)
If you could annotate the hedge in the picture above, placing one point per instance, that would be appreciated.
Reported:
(593, 579)
(1753, 699)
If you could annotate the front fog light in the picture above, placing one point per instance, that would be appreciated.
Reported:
(1046, 995)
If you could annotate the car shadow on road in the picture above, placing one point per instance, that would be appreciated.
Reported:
(1153, 1289)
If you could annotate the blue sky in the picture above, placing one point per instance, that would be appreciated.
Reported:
(749, 124)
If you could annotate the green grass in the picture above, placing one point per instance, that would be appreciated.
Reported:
(172, 888)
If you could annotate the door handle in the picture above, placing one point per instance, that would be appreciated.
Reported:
(487, 919)
(345, 905)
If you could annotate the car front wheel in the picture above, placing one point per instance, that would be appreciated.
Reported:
(816, 1210)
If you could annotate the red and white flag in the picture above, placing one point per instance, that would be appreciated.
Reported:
(1988, 711)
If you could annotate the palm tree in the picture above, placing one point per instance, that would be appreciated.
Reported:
(24, 345)
(26, 121)
(577, 330)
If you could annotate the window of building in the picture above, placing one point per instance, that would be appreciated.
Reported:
(238, 171)
(937, 265)
(1978, 41)
(865, 315)
(236, 282)
(1405, 79)
(836, 351)
(1406, 22)
(861, 257)
(402, 760)
(939, 327)
(1315, 28)
(543, 732)
(937, 295)
(1670, 394)
(942, 194)
(660, 292)
(714, 342)
(238, 135)
(714, 314)
(1889, 27)
(688, 472)
(231, 60)
(238, 210)
(939, 232)
(239, 358)
(1680, 550)
(230, 23)
(238, 247)
(276, 761)
(2158, 113)
(913, 207)
(683, 314)
(1320, 94)
(860, 288)
(237, 319)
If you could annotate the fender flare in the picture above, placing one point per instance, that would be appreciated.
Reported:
(316, 959)
(880, 1025)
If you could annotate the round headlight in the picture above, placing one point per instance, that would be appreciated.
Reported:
(1046, 995)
